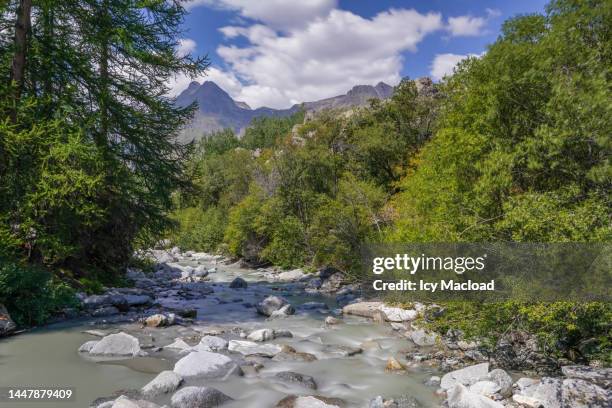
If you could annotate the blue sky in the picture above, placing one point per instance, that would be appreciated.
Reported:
(279, 52)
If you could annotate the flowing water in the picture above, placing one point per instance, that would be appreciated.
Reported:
(48, 357)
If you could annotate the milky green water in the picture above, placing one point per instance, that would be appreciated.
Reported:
(49, 357)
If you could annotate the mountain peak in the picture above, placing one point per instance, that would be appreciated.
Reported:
(217, 110)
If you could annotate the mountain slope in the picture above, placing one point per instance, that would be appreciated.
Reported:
(217, 110)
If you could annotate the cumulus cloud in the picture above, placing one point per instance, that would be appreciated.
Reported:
(278, 14)
(469, 26)
(444, 64)
(309, 49)
(466, 26)
(325, 58)
(186, 46)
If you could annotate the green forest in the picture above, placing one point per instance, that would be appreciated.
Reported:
(514, 146)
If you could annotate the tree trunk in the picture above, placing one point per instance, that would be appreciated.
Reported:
(22, 28)
(102, 137)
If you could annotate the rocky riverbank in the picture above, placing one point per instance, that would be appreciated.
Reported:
(217, 334)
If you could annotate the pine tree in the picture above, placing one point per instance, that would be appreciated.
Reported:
(102, 68)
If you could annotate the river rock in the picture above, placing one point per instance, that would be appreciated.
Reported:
(96, 301)
(282, 334)
(212, 343)
(291, 377)
(525, 401)
(261, 335)
(248, 348)
(363, 309)
(199, 397)
(486, 388)
(165, 383)
(394, 365)
(160, 320)
(314, 284)
(200, 272)
(311, 401)
(238, 283)
(270, 304)
(503, 379)
(162, 257)
(377, 402)
(397, 314)
(422, 338)
(7, 325)
(577, 393)
(125, 402)
(284, 311)
(105, 311)
(598, 376)
(526, 386)
(333, 283)
(465, 376)
(460, 397)
(547, 392)
(331, 321)
(120, 344)
(138, 300)
(87, 346)
(205, 364)
(433, 381)
(404, 401)
(291, 276)
(288, 353)
(179, 344)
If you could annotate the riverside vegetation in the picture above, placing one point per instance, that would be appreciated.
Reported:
(515, 146)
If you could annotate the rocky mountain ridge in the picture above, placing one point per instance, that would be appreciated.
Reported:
(217, 110)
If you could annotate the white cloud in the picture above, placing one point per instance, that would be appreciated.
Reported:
(444, 64)
(186, 46)
(493, 13)
(466, 26)
(325, 58)
(278, 14)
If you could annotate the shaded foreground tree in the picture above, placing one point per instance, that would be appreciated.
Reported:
(87, 153)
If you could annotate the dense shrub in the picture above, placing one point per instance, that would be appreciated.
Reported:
(199, 230)
(31, 294)
(577, 331)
